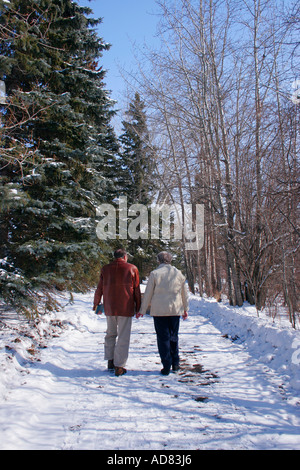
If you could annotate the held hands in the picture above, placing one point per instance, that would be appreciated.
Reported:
(139, 315)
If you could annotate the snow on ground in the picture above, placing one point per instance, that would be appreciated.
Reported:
(238, 387)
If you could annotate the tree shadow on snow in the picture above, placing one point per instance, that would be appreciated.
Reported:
(71, 373)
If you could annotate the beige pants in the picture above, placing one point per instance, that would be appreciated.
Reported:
(117, 339)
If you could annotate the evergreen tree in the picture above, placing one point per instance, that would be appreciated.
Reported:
(57, 148)
(136, 179)
(137, 155)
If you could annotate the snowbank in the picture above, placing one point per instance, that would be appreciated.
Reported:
(21, 342)
(276, 344)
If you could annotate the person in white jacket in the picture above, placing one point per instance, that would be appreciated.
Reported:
(166, 293)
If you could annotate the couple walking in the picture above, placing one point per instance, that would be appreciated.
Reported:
(166, 292)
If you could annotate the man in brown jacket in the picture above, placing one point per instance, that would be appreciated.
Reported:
(120, 286)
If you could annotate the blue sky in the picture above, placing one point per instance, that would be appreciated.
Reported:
(125, 23)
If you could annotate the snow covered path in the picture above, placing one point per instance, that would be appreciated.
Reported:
(225, 397)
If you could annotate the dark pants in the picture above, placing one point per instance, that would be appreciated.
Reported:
(167, 340)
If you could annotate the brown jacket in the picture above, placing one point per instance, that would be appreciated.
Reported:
(120, 286)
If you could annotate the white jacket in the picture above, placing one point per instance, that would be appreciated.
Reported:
(166, 292)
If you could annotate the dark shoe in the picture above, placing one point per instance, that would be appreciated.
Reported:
(120, 371)
(110, 364)
(175, 368)
(165, 371)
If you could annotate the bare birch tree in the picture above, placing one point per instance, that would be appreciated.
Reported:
(226, 133)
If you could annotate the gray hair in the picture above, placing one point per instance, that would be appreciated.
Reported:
(164, 257)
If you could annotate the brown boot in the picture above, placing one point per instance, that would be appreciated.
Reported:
(120, 371)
